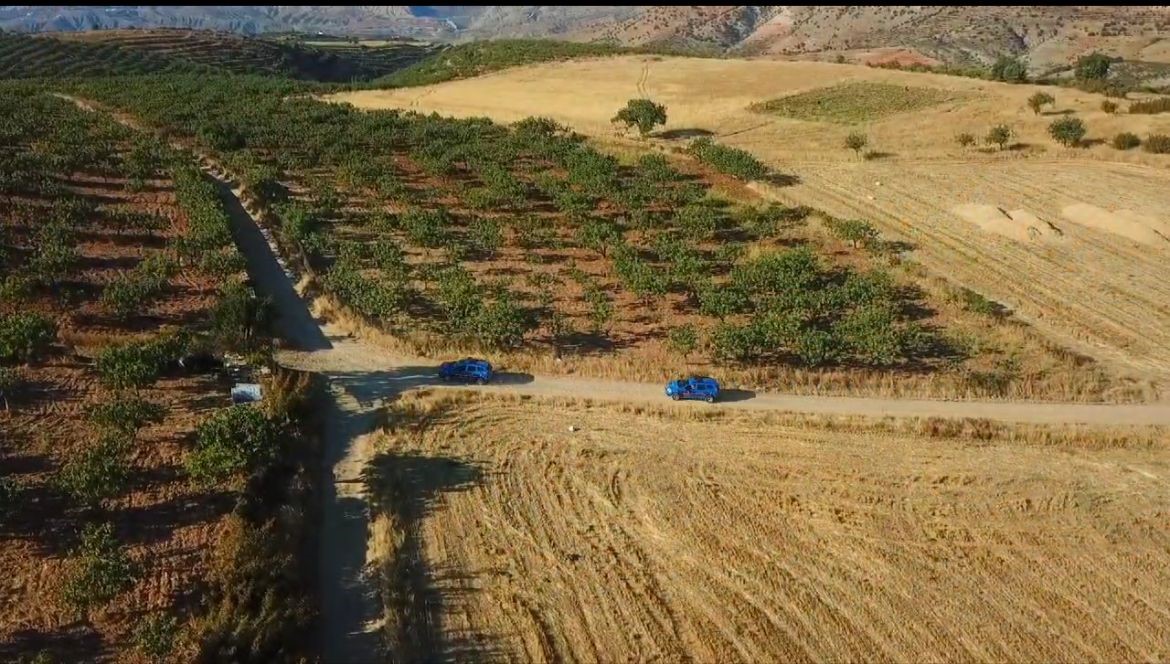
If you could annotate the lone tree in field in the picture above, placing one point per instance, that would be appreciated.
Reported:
(856, 141)
(1010, 69)
(1067, 131)
(643, 114)
(1039, 100)
(999, 135)
(965, 140)
(1109, 107)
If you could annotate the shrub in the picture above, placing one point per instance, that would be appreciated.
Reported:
(723, 301)
(100, 569)
(98, 473)
(732, 161)
(1109, 106)
(11, 382)
(25, 337)
(637, 275)
(1067, 131)
(643, 114)
(1157, 144)
(965, 139)
(698, 222)
(856, 141)
(132, 291)
(871, 333)
(126, 415)
(1126, 141)
(1094, 66)
(155, 636)
(1010, 69)
(1151, 106)
(1039, 100)
(999, 135)
(233, 440)
(133, 365)
(684, 339)
(501, 322)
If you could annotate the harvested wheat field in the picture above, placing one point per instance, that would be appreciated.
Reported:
(503, 533)
(1092, 273)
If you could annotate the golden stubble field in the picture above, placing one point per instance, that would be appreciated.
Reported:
(527, 530)
(1095, 272)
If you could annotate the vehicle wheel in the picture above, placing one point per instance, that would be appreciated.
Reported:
(710, 399)
(480, 381)
(674, 396)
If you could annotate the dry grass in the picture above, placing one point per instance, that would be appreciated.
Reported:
(655, 536)
(855, 102)
(1094, 292)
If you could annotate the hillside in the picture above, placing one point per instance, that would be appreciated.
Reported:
(114, 52)
(1049, 36)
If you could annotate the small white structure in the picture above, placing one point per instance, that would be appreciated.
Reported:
(245, 393)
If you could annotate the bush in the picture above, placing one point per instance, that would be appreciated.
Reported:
(643, 114)
(155, 636)
(684, 339)
(233, 440)
(1067, 131)
(1157, 144)
(1039, 100)
(1109, 106)
(11, 382)
(501, 322)
(871, 333)
(1126, 141)
(1010, 69)
(999, 135)
(698, 222)
(126, 415)
(133, 291)
(1151, 106)
(25, 337)
(240, 319)
(732, 161)
(1094, 66)
(965, 140)
(100, 569)
(599, 235)
(856, 141)
(99, 473)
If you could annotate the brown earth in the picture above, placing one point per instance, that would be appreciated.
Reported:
(521, 530)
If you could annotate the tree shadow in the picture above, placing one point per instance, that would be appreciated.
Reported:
(1067, 111)
(676, 134)
(406, 488)
(1090, 142)
(876, 155)
(782, 179)
(75, 642)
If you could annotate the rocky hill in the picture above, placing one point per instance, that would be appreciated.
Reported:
(1048, 35)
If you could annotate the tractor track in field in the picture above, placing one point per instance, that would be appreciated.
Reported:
(364, 377)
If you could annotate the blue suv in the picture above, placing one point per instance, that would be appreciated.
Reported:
(469, 370)
(693, 387)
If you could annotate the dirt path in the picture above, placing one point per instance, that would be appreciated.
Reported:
(364, 376)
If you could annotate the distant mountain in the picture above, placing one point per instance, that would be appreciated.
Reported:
(1045, 34)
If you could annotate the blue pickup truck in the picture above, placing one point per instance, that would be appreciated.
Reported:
(468, 370)
(703, 388)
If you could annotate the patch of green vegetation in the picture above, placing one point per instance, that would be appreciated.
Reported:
(850, 103)
(474, 59)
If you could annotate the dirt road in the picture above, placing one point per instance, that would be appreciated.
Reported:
(365, 376)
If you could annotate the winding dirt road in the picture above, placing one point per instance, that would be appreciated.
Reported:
(364, 376)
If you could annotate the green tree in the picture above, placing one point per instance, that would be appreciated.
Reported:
(643, 114)
(125, 415)
(240, 320)
(486, 236)
(1093, 67)
(25, 337)
(98, 473)
(1109, 106)
(233, 440)
(1040, 100)
(684, 339)
(856, 231)
(1067, 131)
(599, 235)
(999, 135)
(1126, 141)
(155, 636)
(100, 569)
(965, 139)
